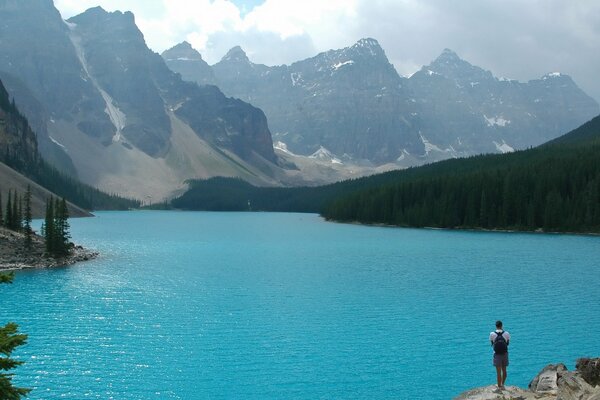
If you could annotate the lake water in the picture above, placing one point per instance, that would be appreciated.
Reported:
(287, 306)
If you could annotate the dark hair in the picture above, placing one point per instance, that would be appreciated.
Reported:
(498, 324)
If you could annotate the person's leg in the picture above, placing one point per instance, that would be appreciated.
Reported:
(503, 374)
(499, 375)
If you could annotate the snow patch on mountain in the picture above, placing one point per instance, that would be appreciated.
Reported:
(341, 64)
(56, 142)
(552, 75)
(281, 146)
(503, 147)
(325, 155)
(117, 117)
(496, 121)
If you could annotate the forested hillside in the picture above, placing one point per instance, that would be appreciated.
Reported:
(555, 187)
(19, 151)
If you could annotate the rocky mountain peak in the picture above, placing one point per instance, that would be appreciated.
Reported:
(450, 65)
(21, 5)
(236, 54)
(100, 15)
(368, 47)
(182, 52)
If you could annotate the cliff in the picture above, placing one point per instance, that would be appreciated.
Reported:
(554, 382)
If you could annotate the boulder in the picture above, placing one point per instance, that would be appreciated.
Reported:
(554, 382)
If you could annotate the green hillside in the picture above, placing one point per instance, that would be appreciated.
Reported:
(19, 151)
(554, 187)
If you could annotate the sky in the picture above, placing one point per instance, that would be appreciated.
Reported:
(516, 39)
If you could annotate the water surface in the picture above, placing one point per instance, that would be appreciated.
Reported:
(273, 306)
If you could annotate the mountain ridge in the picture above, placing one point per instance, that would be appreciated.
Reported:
(449, 108)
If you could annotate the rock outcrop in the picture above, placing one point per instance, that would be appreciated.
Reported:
(554, 382)
(14, 255)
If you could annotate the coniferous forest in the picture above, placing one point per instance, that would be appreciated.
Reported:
(555, 187)
(19, 151)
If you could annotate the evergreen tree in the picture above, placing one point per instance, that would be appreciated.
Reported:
(8, 218)
(27, 217)
(9, 340)
(48, 227)
(15, 217)
(1, 216)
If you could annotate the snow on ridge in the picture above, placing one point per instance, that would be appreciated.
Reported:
(296, 77)
(341, 64)
(325, 155)
(430, 147)
(116, 116)
(552, 75)
(281, 146)
(496, 121)
(503, 147)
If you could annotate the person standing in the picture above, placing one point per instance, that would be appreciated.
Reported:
(500, 340)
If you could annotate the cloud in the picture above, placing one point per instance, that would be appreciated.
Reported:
(519, 39)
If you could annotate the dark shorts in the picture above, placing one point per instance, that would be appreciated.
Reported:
(501, 360)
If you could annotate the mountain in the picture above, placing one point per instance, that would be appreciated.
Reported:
(466, 110)
(553, 187)
(125, 121)
(188, 62)
(22, 166)
(352, 103)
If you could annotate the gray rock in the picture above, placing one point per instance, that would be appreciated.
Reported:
(546, 380)
(553, 382)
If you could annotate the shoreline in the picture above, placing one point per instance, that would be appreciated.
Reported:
(14, 256)
(435, 228)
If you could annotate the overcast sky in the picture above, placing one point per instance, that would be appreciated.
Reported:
(518, 39)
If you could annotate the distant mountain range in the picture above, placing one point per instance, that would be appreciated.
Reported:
(109, 111)
(352, 103)
(553, 187)
(21, 166)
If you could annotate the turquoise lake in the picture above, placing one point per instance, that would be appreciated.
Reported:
(287, 306)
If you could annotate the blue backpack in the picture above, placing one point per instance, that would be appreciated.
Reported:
(500, 345)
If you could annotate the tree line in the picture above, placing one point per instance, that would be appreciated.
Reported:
(17, 216)
(555, 187)
(20, 152)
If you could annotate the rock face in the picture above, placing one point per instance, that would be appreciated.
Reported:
(554, 382)
(185, 60)
(353, 103)
(128, 123)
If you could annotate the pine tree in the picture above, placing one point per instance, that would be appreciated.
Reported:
(1, 218)
(8, 218)
(61, 218)
(49, 226)
(16, 218)
(9, 340)
(27, 218)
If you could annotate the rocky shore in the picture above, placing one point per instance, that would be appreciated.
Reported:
(554, 382)
(14, 255)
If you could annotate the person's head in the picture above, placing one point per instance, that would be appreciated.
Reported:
(499, 324)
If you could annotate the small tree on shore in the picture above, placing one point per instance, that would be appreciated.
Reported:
(27, 217)
(56, 228)
(1, 216)
(9, 340)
